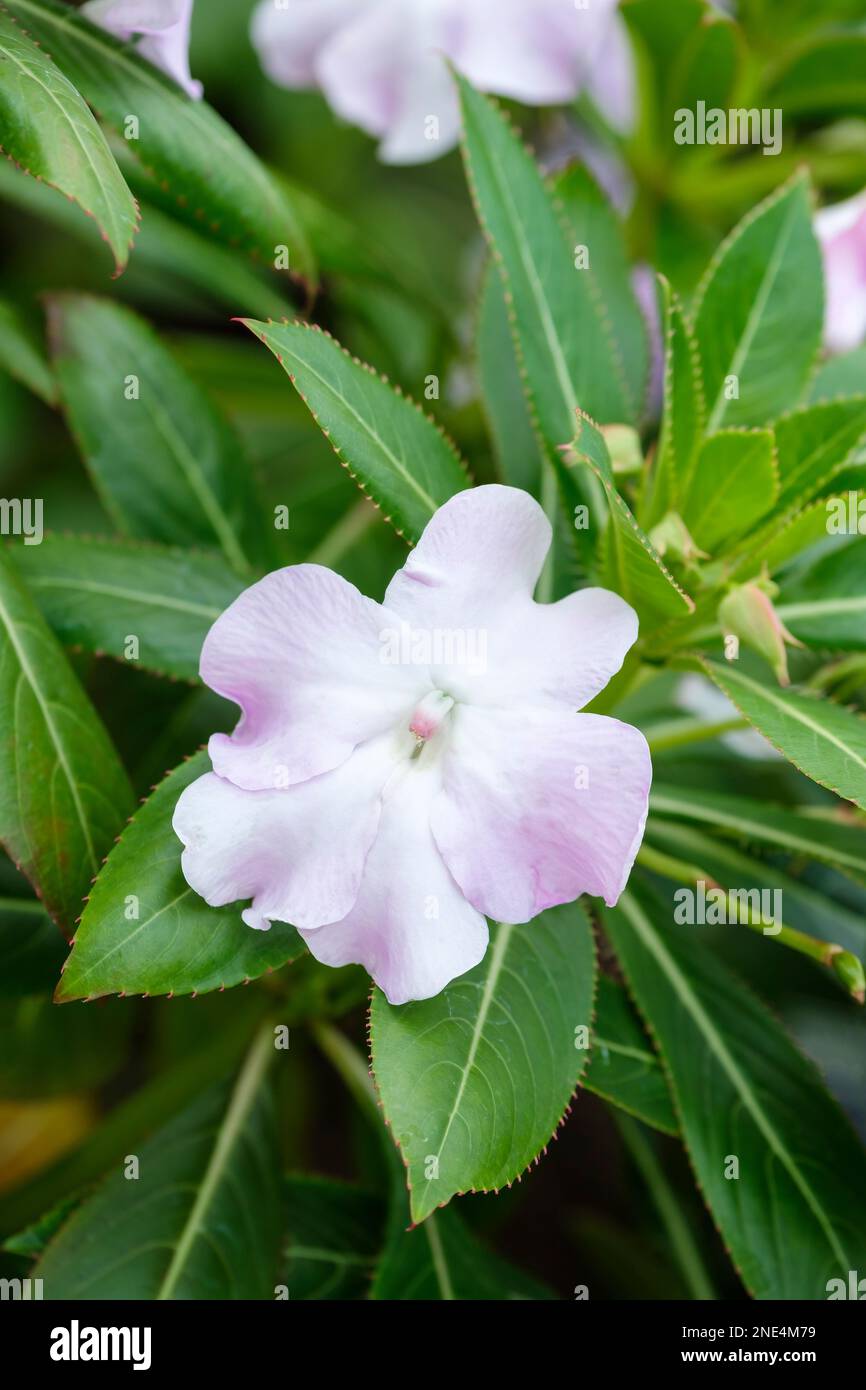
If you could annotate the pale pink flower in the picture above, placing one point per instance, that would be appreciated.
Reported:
(163, 27)
(841, 230)
(402, 770)
(380, 62)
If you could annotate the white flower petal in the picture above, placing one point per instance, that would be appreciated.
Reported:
(298, 853)
(411, 928)
(301, 652)
(539, 806)
(468, 587)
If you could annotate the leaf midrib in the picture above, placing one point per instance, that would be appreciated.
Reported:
(397, 463)
(53, 732)
(750, 328)
(240, 1104)
(794, 712)
(143, 596)
(497, 960)
(751, 1104)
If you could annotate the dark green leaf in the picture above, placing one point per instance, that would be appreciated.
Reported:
(833, 840)
(144, 930)
(823, 740)
(763, 287)
(166, 465)
(334, 1237)
(201, 1220)
(195, 163)
(95, 594)
(442, 1260)
(49, 131)
(22, 358)
(623, 1068)
(518, 456)
(793, 1211)
(63, 792)
(395, 452)
(475, 1081)
(564, 335)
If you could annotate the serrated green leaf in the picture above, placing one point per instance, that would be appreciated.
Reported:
(795, 1214)
(49, 131)
(594, 223)
(633, 567)
(173, 943)
(205, 1222)
(825, 741)
(833, 841)
(816, 443)
(197, 166)
(397, 454)
(763, 287)
(455, 1073)
(733, 484)
(63, 792)
(623, 1068)
(683, 414)
(785, 537)
(94, 594)
(517, 451)
(844, 375)
(167, 466)
(563, 333)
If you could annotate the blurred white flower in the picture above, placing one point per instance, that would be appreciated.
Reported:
(380, 62)
(841, 230)
(162, 27)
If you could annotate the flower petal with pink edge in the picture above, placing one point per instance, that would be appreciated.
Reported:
(385, 73)
(164, 27)
(538, 807)
(468, 586)
(298, 852)
(536, 51)
(290, 39)
(302, 653)
(411, 928)
(841, 230)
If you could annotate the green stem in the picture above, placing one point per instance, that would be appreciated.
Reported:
(847, 968)
(22, 905)
(678, 733)
(340, 539)
(683, 1244)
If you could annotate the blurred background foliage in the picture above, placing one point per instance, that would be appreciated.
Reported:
(611, 1206)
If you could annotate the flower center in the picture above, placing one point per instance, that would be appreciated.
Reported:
(429, 715)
